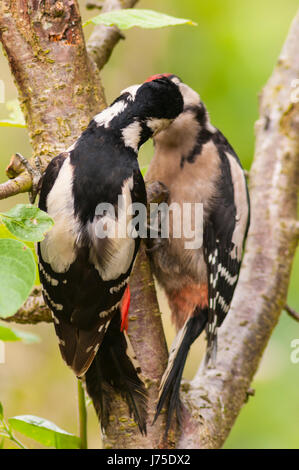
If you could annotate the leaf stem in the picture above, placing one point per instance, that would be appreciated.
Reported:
(82, 415)
(6, 432)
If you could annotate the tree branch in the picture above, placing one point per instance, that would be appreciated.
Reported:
(59, 87)
(20, 184)
(290, 311)
(104, 38)
(216, 396)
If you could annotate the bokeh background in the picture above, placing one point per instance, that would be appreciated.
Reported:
(227, 58)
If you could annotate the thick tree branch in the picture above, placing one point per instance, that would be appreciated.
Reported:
(59, 87)
(216, 396)
(104, 38)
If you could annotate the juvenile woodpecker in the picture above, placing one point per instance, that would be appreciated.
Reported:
(85, 274)
(197, 165)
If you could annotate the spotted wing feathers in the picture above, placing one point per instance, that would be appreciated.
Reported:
(224, 235)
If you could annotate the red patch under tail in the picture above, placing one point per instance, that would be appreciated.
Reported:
(125, 305)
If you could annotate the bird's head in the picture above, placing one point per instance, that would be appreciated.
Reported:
(189, 122)
(190, 96)
(155, 103)
(143, 110)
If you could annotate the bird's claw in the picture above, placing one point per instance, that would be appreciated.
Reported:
(34, 172)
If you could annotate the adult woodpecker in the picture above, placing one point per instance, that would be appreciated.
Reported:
(85, 274)
(197, 165)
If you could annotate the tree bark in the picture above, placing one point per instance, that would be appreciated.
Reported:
(58, 84)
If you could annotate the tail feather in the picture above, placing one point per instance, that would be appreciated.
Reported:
(170, 383)
(116, 368)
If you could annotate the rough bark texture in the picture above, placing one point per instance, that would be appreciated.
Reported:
(59, 88)
(45, 53)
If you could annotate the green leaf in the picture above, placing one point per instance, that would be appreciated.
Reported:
(12, 334)
(15, 117)
(4, 233)
(44, 431)
(1, 412)
(27, 222)
(128, 18)
(17, 275)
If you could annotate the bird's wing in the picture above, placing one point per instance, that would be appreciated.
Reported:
(224, 235)
(84, 276)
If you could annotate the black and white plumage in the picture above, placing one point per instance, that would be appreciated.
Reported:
(85, 277)
(197, 165)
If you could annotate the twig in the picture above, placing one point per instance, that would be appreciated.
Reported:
(7, 433)
(290, 311)
(104, 38)
(82, 415)
(20, 184)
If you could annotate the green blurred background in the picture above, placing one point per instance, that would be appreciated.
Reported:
(227, 58)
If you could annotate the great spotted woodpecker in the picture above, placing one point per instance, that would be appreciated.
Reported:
(197, 165)
(85, 275)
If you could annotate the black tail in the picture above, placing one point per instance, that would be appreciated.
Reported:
(115, 367)
(171, 380)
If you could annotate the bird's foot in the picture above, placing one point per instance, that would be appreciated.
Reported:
(34, 172)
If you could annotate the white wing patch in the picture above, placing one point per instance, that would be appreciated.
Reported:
(131, 135)
(105, 117)
(119, 246)
(132, 90)
(57, 248)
